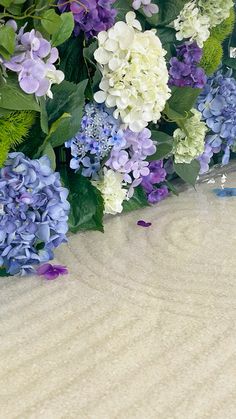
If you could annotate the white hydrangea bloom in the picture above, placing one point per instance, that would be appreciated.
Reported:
(191, 23)
(189, 142)
(112, 192)
(216, 10)
(135, 76)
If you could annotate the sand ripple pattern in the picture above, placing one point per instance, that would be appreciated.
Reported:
(143, 327)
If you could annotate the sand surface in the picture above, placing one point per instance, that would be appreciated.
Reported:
(142, 327)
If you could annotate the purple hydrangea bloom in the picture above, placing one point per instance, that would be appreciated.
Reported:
(217, 103)
(91, 16)
(34, 213)
(33, 61)
(129, 158)
(184, 68)
(151, 183)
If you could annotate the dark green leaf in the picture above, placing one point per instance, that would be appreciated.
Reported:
(86, 202)
(230, 62)
(171, 187)
(12, 97)
(169, 10)
(188, 172)
(161, 137)
(3, 272)
(139, 200)
(183, 99)
(72, 105)
(88, 53)
(65, 30)
(172, 114)
(48, 151)
(162, 151)
(71, 53)
(59, 130)
(123, 7)
(43, 115)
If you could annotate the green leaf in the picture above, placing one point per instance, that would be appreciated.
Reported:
(48, 151)
(86, 202)
(43, 115)
(139, 200)
(65, 30)
(188, 172)
(5, 3)
(59, 130)
(161, 137)
(169, 10)
(123, 7)
(183, 99)
(73, 104)
(7, 41)
(12, 97)
(230, 62)
(71, 53)
(174, 115)
(171, 187)
(3, 272)
(88, 53)
(163, 150)
(51, 21)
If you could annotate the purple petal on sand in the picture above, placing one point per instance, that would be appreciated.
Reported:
(142, 223)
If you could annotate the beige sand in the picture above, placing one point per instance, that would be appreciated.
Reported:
(143, 327)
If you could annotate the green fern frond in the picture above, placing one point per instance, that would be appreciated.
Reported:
(14, 128)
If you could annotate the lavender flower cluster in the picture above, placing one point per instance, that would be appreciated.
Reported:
(129, 157)
(91, 16)
(33, 213)
(33, 61)
(184, 68)
(217, 103)
(152, 182)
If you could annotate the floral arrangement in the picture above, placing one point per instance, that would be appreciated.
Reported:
(103, 103)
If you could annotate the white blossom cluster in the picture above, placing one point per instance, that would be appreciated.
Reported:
(198, 17)
(134, 73)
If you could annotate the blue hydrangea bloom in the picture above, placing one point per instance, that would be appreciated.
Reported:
(33, 213)
(217, 103)
(99, 133)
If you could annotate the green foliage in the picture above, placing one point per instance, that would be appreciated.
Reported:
(222, 31)
(7, 41)
(66, 108)
(14, 128)
(188, 171)
(181, 102)
(71, 53)
(65, 29)
(123, 7)
(51, 21)
(163, 150)
(138, 200)
(212, 55)
(169, 10)
(13, 98)
(87, 207)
